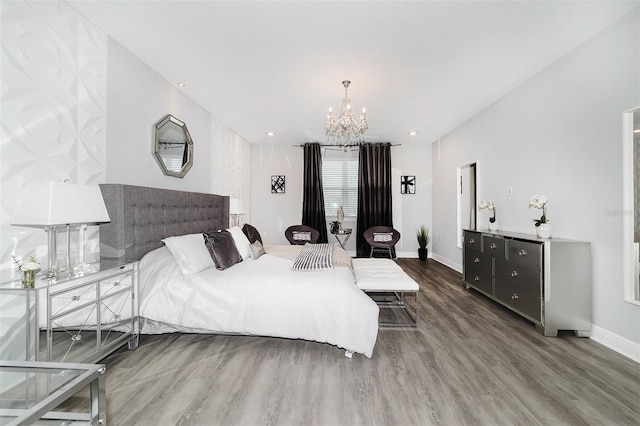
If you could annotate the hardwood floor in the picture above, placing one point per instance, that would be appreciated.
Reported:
(470, 361)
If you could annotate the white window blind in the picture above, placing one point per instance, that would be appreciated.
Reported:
(340, 185)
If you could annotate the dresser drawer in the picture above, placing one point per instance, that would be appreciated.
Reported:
(516, 277)
(525, 253)
(478, 271)
(481, 281)
(493, 246)
(472, 241)
(522, 302)
(477, 262)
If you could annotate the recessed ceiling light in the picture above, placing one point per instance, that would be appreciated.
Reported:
(271, 134)
(413, 133)
(181, 85)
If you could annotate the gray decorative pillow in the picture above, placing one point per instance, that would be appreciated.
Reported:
(256, 250)
(222, 248)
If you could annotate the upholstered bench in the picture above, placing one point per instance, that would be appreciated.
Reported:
(383, 279)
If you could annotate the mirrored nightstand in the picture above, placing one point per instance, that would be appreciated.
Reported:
(82, 318)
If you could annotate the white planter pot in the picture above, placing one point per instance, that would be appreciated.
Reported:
(544, 230)
(493, 226)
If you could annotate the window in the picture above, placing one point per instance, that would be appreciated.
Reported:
(340, 185)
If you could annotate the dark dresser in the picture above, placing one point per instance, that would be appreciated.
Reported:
(547, 281)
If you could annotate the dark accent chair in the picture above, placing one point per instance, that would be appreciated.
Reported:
(296, 234)
(385, 240)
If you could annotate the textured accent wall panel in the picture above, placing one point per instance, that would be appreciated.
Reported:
(52, 109)
(231, 160)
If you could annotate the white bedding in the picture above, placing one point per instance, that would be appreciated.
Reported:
(260, 297)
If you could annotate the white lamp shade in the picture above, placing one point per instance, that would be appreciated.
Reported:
(56, 203)
(235, 206)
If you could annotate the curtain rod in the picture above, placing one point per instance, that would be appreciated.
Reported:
(351, 145)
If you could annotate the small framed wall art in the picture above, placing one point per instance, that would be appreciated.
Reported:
(277, 184)
(407, 184)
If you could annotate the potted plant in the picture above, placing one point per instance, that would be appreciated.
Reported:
(423, 240)
(335, 226)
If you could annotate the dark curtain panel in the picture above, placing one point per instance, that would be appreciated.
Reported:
(374, 191)
(313, 197)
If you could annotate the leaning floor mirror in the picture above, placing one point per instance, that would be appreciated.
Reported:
(631, 206)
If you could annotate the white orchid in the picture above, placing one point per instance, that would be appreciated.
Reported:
(539, 202)
(488, 205)
(31, 265)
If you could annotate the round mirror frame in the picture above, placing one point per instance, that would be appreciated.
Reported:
(171, 120)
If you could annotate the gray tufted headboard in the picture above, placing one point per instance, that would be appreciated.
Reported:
(141, 217)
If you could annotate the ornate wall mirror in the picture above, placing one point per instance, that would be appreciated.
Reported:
(631, 205)
(173, 147)
(466, 199)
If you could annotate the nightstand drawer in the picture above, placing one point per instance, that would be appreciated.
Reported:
(116, 283)
(65, 301)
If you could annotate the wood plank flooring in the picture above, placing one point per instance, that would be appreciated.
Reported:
(470, 361)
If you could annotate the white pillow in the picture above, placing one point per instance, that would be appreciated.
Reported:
(189, 252)
(242, 242)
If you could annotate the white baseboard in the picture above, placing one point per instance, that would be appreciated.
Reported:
(456, 267)
(617, 343)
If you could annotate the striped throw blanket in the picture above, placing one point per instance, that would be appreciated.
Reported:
(314, 257)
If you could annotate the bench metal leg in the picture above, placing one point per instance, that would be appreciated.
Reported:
(399, 302)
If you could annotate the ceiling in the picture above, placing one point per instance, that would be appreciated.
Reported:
(276, 66)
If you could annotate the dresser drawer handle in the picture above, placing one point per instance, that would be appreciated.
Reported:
(493, 246)
(476, 278)
(514, 274)
(476, 260)
(522, 252)
(514, 296)
(472, 241)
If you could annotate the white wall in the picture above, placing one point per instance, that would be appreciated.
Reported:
(559, 134)
(273, 213)
(53, 111)
(138, 97)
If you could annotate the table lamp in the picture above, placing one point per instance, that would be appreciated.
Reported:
(236, 208)
(56, 206)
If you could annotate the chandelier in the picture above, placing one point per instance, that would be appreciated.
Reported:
(346, 130)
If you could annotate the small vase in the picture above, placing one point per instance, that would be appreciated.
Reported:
(544, 230)
(493, 226)
(29, 278)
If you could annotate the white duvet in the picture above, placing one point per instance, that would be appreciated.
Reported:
(259, 297)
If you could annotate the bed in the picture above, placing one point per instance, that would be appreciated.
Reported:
(260, 296)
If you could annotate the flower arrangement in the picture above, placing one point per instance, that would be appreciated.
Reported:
(539, 202)
(29, 270)
(488, 205)
(32, 265)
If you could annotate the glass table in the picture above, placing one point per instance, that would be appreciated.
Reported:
(343, 233)
(30, 390)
